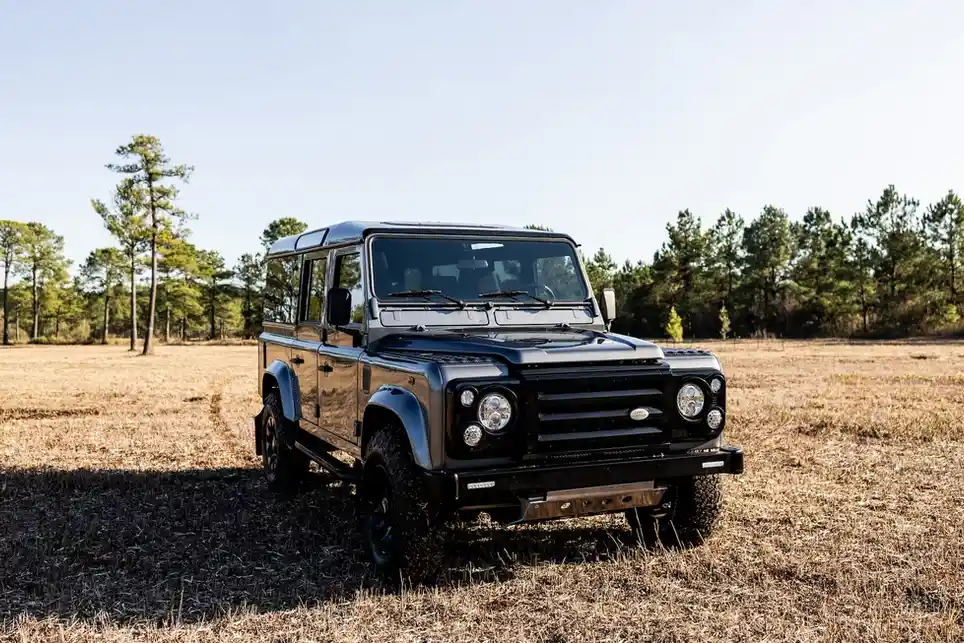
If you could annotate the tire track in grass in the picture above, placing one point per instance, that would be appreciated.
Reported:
(223, 428)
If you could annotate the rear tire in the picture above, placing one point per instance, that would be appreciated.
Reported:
(688, 515)
(284, 466)
(396, 523)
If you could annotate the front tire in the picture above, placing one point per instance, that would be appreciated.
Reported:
(397, 524)
(284, 466)
(688, 515)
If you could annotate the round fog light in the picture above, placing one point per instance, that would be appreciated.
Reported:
(472, 435)
(714, 419)
(716, 384)
(467, 397)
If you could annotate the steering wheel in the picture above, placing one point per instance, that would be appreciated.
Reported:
(548, 291)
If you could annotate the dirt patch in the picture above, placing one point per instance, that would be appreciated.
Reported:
(45, 414)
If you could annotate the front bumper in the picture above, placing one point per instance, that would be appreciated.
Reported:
(529, 488)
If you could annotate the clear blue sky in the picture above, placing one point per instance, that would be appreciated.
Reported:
(598, 118)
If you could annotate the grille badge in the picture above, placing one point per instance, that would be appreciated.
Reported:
(639, 414)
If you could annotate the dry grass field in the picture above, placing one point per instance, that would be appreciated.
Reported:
(132, 509)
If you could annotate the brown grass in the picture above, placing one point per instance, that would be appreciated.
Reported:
(131, 508)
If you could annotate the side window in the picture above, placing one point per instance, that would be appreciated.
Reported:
(315, 308)
(348, 275)
(281, 288)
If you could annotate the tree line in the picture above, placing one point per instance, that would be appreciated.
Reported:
(152, 284)
(893, 269)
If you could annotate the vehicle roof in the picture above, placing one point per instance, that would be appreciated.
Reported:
(355, 231)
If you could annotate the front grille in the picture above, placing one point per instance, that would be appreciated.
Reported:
(588, 407)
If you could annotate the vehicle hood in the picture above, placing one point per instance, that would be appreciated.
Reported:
(527, 346)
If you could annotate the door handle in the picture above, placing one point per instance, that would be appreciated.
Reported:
(297, 360)
(326, 369)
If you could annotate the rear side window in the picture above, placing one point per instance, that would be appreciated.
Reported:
(316, 290)
(281, 288)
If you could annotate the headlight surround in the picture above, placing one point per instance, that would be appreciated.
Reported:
(494, 412)
(690, 401)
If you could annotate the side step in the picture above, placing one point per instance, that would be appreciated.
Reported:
(333, 465)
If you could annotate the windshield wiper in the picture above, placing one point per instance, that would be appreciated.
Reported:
(427, 294)
(514, 293)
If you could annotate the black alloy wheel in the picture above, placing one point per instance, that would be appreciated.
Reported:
(377, 524)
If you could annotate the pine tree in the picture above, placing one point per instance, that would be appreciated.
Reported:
(11, 254)
(724, 323)
(102, 271)
(126, 223)
(674, 326)
(148, 168)
(44, 262)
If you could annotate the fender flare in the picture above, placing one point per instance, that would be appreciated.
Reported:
(287, 384)
(412, 416)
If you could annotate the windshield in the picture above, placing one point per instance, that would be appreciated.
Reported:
(467, 269)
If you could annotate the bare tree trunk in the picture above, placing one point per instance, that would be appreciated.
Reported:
(246, 331)
(953, 275)
(213, 334)
(133, 302)
(152, 306)
(167, 324)
(183, 327)
(105, 336)
(6, 303)
(35, 296)
(17, 324)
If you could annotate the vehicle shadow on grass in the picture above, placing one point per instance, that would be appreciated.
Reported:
(182, 546)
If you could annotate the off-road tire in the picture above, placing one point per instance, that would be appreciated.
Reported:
(413, 552)
(695, 508)
(285, 468)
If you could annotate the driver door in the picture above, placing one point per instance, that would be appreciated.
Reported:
(341, 350)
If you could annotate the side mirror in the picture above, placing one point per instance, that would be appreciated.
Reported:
(339, 307)
(608, 304)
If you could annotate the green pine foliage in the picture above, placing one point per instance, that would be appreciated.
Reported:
(724, 323)
(674, 326)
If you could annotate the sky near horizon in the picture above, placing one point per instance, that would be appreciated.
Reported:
(600, 119)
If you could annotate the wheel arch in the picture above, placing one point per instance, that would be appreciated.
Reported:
(278, 377)
(396, 406)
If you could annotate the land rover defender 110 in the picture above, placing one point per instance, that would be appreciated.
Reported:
(453, 369)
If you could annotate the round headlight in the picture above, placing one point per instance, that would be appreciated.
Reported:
(494, 412)
(714, 419)
(467, 397)
(472, 435)
(689, 400)
(716, 384)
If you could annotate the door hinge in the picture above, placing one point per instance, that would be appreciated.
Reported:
(317, 410)
(358, 427)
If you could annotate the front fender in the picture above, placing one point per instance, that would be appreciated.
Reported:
(288, 390)
(410, 412)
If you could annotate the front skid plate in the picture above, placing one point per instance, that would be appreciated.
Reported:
(569, 503)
